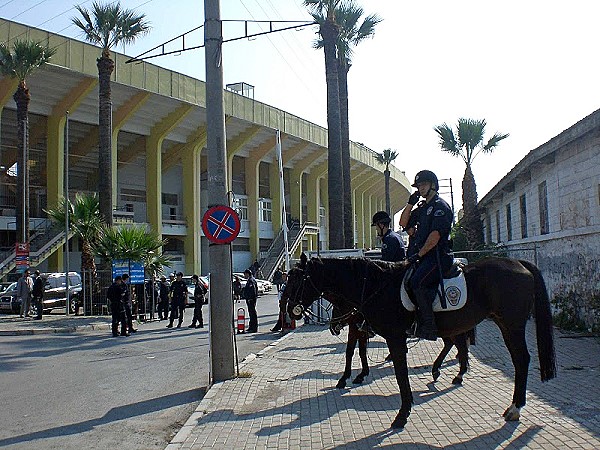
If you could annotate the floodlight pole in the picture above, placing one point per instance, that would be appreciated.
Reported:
(221, 304)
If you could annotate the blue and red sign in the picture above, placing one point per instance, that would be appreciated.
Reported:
(221, 224)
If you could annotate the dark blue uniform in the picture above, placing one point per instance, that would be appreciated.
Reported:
(392, 247)
(179, 291)
(433, 216)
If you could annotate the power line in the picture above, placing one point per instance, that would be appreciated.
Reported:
(29, 9)
(7, 3)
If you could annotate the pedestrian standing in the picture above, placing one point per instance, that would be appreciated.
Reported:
(178, 292)
(38, 294)
(199, 293)
(277, 280)
(24, 288)
(116, 298)
(127, 303)
(282, 321)
(250, 293)
(163, 305)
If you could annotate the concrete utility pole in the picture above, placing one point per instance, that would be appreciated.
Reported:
(221, 304)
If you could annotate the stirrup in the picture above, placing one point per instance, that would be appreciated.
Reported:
(411, 331)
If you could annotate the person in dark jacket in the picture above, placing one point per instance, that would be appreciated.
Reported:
(250, 293)
(115, 296)
(127, 303)
(163, 294)
(178, 292)
(199, 293)
(38, 294)
(392, 245)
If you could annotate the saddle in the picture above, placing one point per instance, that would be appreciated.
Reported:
(455, 288)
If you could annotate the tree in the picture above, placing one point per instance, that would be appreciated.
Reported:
(467, 144)
(387, 157)
(108, 25)
(20, 62)
(351, 34)
(323, 12)
(85, 222)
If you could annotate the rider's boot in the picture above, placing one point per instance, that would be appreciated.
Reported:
(426, 328)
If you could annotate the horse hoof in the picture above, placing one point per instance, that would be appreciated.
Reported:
(457, 380)
(436, 374)
(512, 413)
(341, 384)
(399, 421)
(358, 380)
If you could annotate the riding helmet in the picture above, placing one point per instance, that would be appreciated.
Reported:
(426, 176)
(381, 217)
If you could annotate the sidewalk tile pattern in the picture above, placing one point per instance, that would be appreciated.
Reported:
(291, 402)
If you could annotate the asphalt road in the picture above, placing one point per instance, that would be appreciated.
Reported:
(90, 390)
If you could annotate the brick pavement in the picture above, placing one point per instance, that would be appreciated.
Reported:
(290, 400)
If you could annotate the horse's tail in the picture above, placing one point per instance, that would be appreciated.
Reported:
(543, 324)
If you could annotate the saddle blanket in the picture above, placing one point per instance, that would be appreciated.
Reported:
(456, 294)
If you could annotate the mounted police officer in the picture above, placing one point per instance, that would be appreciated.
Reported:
(392, 245)
(433, 256)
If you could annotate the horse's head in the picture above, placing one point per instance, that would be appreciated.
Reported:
(300, 290)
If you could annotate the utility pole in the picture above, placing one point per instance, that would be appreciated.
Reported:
(222, 354)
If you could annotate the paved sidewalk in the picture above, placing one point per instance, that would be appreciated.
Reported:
(288, 399)
(52, 323)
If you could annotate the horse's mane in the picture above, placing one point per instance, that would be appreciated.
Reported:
(351, 267)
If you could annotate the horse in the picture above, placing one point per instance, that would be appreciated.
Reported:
(357, 334)
(503, 289)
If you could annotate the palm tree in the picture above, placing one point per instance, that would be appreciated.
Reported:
(470, 133)
(85, 222)
(351, 34)
(108, 25)
(387, 157)
(323, 12)
(20, 62)
(134, 243)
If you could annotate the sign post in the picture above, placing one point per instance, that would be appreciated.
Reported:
(22, 256)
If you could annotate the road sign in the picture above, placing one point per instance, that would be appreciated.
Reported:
(22, 256)
(221, 224)
(134, 269)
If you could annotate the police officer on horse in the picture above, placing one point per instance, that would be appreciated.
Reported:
(392, 245)
(433, 257)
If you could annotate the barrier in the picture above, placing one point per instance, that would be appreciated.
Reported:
(241, 320)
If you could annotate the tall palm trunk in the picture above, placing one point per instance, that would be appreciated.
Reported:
(345, 142)
(329, 32)
(386, 174)
(472, 224)
(22, 99)
(105, 68)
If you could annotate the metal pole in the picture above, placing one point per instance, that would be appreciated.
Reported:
(221, 305)
(66, 141)
(282, 197)
(25, 175)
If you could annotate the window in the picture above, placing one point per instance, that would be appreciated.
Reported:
(264, 210)
(170, 199)
(497, 225)
(238, 175)
(172, 213)
(129, 207)
(523, 205)
(508, 223)
(543, 201)
(322, 216)
(488, 230)
(242, 207)
(264, 185)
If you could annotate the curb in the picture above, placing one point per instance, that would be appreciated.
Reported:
(64, 330)
(211, 392)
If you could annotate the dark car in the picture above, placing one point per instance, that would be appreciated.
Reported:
(7, 297)
(54, 293)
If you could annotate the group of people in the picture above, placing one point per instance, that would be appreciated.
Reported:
(428, 223)
(31, 292)
(119, 296)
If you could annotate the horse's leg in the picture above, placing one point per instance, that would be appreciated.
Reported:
(350, 346)
(398, 350)
(463, 357)
(435, 370)
(514, 338)
(362, 351)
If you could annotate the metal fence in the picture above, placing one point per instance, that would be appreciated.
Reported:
(93, 299)
(529, 253)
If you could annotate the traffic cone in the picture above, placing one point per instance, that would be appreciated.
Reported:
(241, 320)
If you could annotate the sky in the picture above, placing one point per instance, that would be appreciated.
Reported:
(529, 68)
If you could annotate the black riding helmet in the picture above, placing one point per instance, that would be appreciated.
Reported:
(381, 217)
(426, 176)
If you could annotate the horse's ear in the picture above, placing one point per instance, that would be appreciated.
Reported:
(303, 259)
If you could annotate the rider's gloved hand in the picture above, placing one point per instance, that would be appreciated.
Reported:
(414, 258)
(414, 198)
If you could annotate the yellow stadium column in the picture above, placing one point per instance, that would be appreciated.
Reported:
(55, 151)
(296, 194)
(154, 164)
(360, 224)
(313, 198)
(360, 182)
(191, 208)
(275, 187)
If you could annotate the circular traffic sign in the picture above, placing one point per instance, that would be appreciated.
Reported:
(221, 224)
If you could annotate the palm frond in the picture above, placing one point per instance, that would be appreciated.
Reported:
(494, 141)
(23, 58)
(448, 140)
(470, 134)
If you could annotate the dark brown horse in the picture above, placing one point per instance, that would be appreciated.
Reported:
(359, 334)
(502, 289)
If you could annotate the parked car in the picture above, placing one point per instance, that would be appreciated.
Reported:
(4, 285)
(261, 284)
(190, 302)
(7, 296)
(54, 293)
